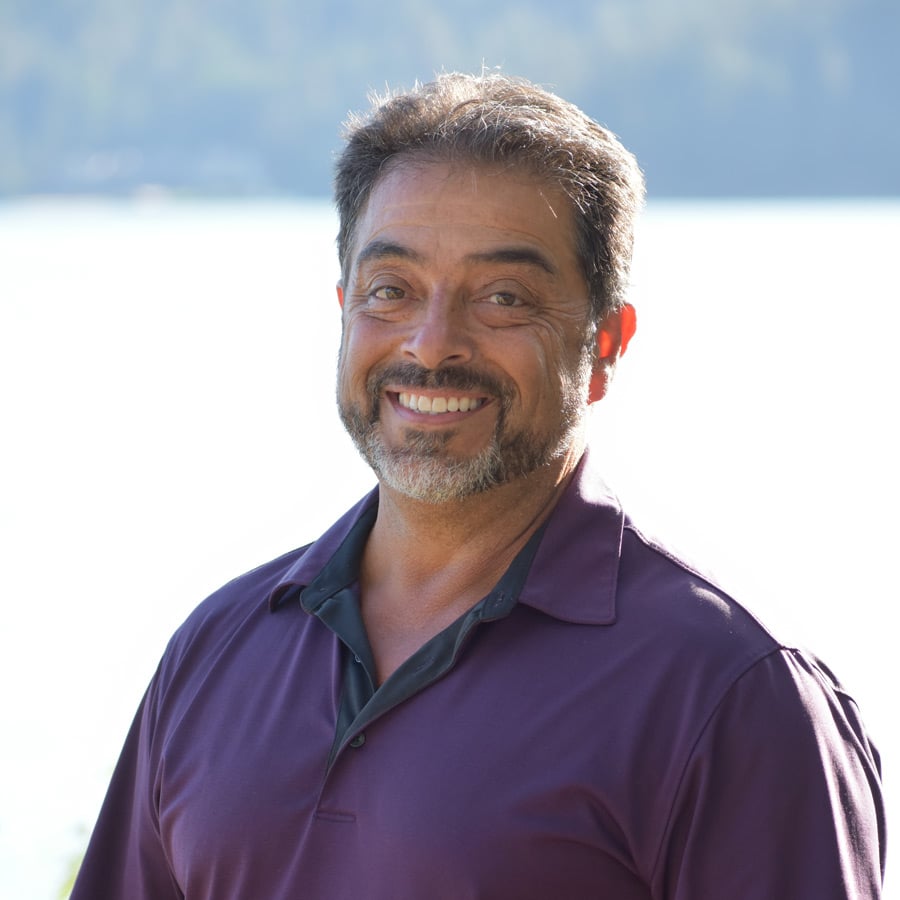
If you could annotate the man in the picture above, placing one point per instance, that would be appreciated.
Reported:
(484, 681)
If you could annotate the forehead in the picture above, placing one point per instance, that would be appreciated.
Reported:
(440, 207)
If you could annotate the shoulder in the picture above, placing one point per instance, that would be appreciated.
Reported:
(249, 622)
(241, 605)
(666, 595)
(251, 589)
(785, 745)
(743, 722)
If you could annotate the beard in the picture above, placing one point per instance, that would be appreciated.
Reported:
(423, 468)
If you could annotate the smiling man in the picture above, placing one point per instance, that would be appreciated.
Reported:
(466, 298)
(484, 681)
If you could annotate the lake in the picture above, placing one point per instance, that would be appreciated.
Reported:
(169, 422)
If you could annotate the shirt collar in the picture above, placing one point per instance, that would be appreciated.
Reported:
(573, 575)
(575, 570)
(332, 562)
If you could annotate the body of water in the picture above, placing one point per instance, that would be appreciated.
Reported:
(168, 422)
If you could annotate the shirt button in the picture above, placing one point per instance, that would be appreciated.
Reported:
(359, 740)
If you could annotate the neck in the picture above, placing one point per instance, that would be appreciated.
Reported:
(425, 564)
(464, 545)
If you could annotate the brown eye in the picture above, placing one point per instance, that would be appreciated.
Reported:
(388, 292)
(501, 298)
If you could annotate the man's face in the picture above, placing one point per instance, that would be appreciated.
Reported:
(467, 341)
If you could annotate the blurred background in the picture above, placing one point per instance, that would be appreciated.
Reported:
(168, 325)
(726, 98)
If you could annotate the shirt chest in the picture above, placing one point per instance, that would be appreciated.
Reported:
(503, 775)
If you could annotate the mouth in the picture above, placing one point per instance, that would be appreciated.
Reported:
(436, 404)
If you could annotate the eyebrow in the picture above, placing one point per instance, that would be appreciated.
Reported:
(387, 250)
(517, 255)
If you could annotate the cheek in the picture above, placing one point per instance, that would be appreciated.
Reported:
(528, 367)
(354, 355)
(550, 362)
(362, 353)
(349, 374)
(564, 375)
(365, 339)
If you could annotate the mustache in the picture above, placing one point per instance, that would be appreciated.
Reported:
(462, 378)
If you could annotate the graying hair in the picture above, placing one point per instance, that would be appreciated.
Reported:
(495, 119)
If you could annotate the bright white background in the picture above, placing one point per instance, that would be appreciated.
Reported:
(168, 422)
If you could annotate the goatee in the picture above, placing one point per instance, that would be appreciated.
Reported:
(422, 467)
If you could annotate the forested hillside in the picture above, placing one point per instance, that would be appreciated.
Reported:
(717, 97)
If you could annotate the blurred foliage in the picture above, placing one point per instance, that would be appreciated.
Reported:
(72, 867)
(66, 889)
(219, 96)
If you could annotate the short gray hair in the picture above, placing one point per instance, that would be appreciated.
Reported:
(496, 119)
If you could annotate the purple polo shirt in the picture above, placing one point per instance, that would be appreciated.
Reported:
(606, 723)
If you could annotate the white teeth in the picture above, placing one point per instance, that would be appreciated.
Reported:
(437, 405)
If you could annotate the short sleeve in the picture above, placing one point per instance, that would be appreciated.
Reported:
(125, 859)
(781, 796)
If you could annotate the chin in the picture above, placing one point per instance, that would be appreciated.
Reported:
(435, 479)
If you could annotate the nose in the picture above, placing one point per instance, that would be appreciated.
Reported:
(440, 335)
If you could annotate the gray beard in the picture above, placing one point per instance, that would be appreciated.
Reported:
(423, 469)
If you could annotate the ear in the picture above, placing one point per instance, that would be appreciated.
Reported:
(339, 287)
(613, 335)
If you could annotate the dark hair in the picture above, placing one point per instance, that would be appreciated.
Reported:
(500, 120)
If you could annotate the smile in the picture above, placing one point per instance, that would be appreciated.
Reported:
(436, 406)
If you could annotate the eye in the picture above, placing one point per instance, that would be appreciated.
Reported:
(389, 293)
(503, 298)
(504, 304)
